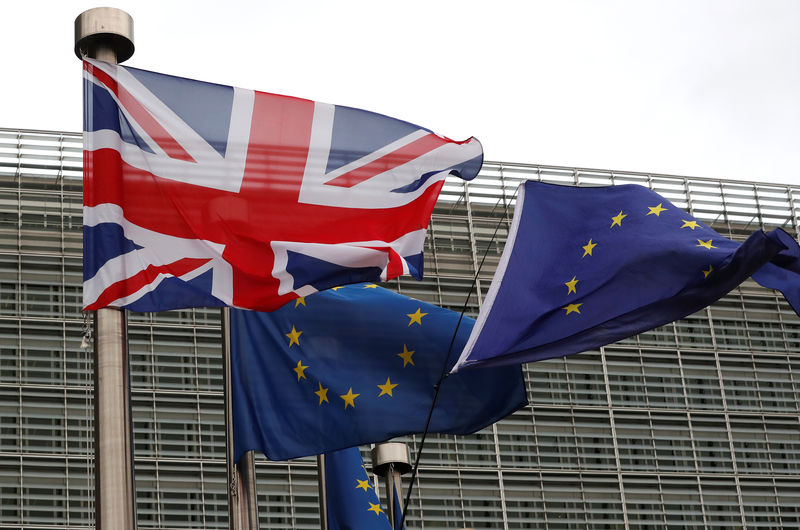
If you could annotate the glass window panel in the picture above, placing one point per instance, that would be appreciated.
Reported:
(635, 441)
(775, 387)
(602, 501)
(673, 442)
(564, 501)
(626, 377)
(585, 377)
(702, 380)
(760, 503)
(739, 379)
(524, 500)
(712, 448)
(517, 440)
(694, 331)
(555, 432)
(643, 501)
(477, 449)
(683, 507)
(594, 441)
(783, 443)
(721, 502)
(662, 374)
(750, 444)
(548, 382)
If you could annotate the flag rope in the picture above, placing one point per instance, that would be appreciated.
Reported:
(444, 374)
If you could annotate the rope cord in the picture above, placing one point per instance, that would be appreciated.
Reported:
(444, 374)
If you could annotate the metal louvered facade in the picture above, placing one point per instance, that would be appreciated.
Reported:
(693, 425)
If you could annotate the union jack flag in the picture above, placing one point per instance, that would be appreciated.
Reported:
(198, 194)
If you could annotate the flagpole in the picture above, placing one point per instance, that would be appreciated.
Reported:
(106, 33)
(242, 499)
(323, 492)
(390, 460)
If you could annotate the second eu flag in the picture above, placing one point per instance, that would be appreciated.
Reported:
(198, 194)
(352, 366)
(584, 267)
(352, 501)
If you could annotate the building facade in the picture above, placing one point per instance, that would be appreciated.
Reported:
(692, 425)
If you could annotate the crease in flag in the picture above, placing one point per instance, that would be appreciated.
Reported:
(586, 266)
(355, 365)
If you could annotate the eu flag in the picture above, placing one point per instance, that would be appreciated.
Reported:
(584, 267)
(355, 365)
(351, 499)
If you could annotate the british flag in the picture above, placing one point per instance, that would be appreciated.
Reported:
(198, 194)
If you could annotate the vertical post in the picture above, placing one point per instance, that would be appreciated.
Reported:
(106, 33)
(390, 460)
(242, 500)
(323, 492)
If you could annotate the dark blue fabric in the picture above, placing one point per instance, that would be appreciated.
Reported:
(467, 171)
(351, 499)
(350, 340)
(321, 274)
(643, 272)
(783, 272)
(206, 107)
(103, 242)
(358, 132)
(179, 294)
(104, 114)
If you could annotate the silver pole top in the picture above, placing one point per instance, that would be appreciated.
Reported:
(393, 454)
(104, 28)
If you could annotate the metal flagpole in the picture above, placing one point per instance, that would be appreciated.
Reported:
(390, 460)
(323, 493)
(242, 500)
(106, 33)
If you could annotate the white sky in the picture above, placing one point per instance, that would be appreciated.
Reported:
(687, 87)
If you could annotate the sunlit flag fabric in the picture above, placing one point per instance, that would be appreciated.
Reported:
(351, 499)
(584, 267)
(198, 194)
(352, 366)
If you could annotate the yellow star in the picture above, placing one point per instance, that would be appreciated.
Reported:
(416, 317)
(406, 356)
(301, 300)
(349, 398)
(572, 308)
(294, 337)
(322, 393)
(363, 484)
(300, 369)
(689, 224)
(571, 285)
(337, 288)
(709, 271)
(375, 508)
(656, 210)
(387, 388)
(617, 219)
(587, 249)
(705, 244)
(370, 286)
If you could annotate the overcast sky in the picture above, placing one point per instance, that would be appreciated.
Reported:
(698, 88)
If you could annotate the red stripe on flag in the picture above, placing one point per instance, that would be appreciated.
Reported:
(143, 117)
(388, 161)
(131, 285)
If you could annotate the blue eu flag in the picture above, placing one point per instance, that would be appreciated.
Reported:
(351, 499)
(584, 267)
(355, 365)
